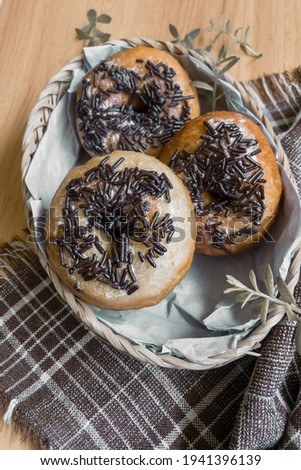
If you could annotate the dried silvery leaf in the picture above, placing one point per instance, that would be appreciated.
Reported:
(247, 300)
(227, 59)
(194, 33)
(246, 35)
(231, 289)
(298, 338)
(221, 52)
(173, 31)
(249, 51)
(104, 19)
(188, 42)
(221, 29)
(264, 310)
(268, 279)
(253, 280)
(234, 282)
(228, 26)
(290, 314)
(203, 85)
(229, 66)
(91, 15)
(87, 29)
(256, 309)
(286, 301)
(82, 34)
(284, 291)
(104, 37)
(242, 297)
(90, 32)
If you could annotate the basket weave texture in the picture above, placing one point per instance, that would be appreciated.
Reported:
(36, 127)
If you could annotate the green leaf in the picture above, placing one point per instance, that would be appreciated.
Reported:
(173, 31)
(194, 33)
(268, 280)
(91, 15)
(228, 66)
(228, 26)
(253, 280)
(104, 37)
(203, 85)
(81, 34)
(104, 19)
(285, 293)
(249, 51)
(298, 338)
(264, 310)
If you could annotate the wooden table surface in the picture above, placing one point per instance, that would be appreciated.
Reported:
(37, 38)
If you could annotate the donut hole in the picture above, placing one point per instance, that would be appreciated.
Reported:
(137, 104)
(210, 197)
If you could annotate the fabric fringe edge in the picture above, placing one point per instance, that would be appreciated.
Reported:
(21, 425)
(13, 256)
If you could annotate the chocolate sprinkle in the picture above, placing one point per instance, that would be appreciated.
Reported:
(148, 117)
(116, 211)
(223, 165)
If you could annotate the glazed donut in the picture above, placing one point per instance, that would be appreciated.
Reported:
(135, 100)
(231, 173)
(111, 231)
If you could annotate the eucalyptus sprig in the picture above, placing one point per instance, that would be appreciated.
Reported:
(238, 37)
(90, 32)
(224, 60)
(285, 298)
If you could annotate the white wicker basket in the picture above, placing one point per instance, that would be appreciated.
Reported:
(36, 127)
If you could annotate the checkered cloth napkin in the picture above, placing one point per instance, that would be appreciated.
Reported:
(70, 390)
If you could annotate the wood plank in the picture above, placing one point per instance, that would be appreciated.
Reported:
(37, 38)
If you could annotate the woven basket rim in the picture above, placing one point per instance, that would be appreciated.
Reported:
(35, 129)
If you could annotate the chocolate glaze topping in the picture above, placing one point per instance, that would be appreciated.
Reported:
(224, 166)
(113, 205)
(147, 119)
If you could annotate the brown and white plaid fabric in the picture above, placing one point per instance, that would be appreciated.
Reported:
(70, 390)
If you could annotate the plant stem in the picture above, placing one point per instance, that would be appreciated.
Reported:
(274, 299)
(222, 31)
(214, 91)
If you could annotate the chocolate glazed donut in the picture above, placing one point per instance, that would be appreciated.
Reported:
(231, 173)
(112, 232)
(135, 100)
